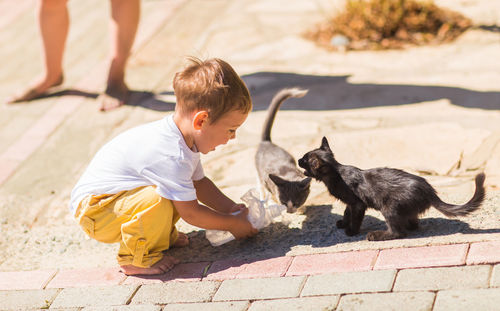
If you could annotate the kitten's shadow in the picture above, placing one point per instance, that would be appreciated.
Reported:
(317, 230)
(432, 227)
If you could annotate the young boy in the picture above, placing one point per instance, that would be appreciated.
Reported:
(139, 184)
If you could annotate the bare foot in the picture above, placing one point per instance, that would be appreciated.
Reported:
(182, 240)
(37, 90)
(162, 266)
(114, 97)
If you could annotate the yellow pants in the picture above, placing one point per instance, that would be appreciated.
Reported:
(140, 219)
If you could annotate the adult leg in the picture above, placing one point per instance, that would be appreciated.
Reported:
(123, 27)
(54, 25)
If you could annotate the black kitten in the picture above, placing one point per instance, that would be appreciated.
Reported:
(277, 169)
(398, 195)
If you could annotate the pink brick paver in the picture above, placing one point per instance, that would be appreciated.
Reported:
(484, 252)
(87, 277)
(24, 280)
(181, 272)
(273, 267)
(225, 269)
(241, 269)
(420, 257)
(334, 262)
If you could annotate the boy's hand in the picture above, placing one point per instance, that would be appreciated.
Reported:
(237, 207)
(242, 228)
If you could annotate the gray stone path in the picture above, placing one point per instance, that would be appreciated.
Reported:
(432, 110)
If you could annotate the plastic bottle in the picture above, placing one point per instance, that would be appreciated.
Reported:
(260, 215)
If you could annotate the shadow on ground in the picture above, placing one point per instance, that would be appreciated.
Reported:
(318, 231)
(325, 93)
(335, 92)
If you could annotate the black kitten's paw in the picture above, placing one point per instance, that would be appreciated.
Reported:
(350, 232)
(341, 224)
(375, 236)
(383, 235)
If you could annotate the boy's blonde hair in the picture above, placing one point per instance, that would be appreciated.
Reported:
(210, 85)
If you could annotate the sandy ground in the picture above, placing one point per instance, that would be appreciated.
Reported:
(433, 111)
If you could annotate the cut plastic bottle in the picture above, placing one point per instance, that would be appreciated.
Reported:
(260, 215)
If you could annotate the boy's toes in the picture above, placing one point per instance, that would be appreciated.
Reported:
(164, 265)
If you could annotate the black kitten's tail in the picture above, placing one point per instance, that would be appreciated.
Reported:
(451, 210)
(276, 102)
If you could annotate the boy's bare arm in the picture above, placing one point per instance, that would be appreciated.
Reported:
(208, 193)
(201, 216)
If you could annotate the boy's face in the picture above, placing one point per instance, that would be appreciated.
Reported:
(211, 135)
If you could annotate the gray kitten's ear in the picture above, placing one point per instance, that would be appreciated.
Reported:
(306, 182)
(277, 180)
(325, 145)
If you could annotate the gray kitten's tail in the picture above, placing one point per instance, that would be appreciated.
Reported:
(276, 102)
(451, 210)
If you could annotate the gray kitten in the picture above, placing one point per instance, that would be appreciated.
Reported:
(277, 168)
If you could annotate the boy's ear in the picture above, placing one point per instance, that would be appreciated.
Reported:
(199, 118)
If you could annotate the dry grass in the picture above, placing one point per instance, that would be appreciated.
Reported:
(389, 24)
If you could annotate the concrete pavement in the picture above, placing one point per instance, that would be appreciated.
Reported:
(392, 97)
(445, 277)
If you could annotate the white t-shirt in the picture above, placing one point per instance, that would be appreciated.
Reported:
(151, 154)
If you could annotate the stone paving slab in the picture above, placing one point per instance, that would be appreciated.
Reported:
(349, 282)
(468, 299)
(174, 292)
(27, 299)
(78, 297)
(262, 288)
(299, 304)
(209, 306)
(495, 277)
(443, 278)
(121, 308)
(411, 301)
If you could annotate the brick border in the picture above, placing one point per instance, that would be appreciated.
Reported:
(302, 265)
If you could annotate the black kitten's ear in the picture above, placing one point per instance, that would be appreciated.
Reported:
(277, 180)
(314, 163)
(325, 145)
(306, 182)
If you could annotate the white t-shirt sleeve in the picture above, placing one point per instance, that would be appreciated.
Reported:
(173, 179)
(198, 172)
